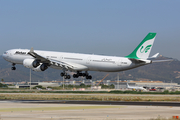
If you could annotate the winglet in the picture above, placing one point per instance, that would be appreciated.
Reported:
(32, 53)
(32, 50)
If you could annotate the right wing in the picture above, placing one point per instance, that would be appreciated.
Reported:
(38, 57)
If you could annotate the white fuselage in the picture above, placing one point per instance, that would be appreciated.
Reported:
(91, 61)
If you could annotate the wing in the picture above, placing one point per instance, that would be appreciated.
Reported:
(38, 57)
(58, 64)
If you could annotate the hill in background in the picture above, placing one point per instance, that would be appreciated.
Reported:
(163, 71)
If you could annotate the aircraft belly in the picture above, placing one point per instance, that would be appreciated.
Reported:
(103, 68)
(110, 67)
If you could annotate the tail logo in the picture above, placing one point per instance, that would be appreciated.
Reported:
(145, 49)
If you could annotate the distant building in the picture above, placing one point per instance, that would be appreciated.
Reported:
(149, 84)
(44, 84)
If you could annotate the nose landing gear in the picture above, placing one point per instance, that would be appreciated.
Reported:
(13, 66)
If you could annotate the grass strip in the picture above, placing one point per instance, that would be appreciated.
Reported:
(98, 97)
(55, 108)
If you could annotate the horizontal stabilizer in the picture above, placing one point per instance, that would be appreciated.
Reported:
(141, 61)
(154, 56)
(154, 61)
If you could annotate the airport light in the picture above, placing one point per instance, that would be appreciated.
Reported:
(118, 81)
(63, 82)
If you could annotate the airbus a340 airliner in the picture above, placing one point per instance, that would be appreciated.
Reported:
(40, 60)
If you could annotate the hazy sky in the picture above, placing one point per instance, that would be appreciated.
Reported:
(110, 27)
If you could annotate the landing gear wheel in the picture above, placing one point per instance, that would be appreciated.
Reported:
(13, 68)
(80, 74)
(75, 76)
(62, 74)
(89, 77)
(68, 76)
(84, 74)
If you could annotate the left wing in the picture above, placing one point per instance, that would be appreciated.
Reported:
(38, 57)
(60, 64)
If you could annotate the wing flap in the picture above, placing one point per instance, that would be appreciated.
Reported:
(69, 66)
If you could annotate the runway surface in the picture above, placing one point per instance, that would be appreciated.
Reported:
(86, 110)
(174, 104)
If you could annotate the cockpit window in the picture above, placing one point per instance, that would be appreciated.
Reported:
(5, 52)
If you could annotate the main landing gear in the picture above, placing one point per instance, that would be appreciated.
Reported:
(13, 66)
(78, 74)
(65, 75)
(83, 75)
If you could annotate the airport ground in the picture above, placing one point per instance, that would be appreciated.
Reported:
(60, 106)
(17, 110)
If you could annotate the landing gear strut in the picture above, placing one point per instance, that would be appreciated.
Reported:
(13, 66)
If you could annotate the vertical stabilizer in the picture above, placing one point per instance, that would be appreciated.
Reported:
(143, 50)
(127, 85)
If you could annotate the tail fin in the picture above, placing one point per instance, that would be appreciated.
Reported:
(143, 50)
(127, 85)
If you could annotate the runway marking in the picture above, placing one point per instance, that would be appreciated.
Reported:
(57, 108)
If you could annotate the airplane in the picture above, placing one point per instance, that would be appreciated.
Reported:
(39, 60)
(136, 88)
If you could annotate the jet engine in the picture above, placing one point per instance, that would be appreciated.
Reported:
(31, 63)
(40, 68)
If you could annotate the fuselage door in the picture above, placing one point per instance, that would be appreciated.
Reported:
(88, 60)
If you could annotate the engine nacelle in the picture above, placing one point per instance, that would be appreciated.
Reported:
(40, 68)
(31, 63)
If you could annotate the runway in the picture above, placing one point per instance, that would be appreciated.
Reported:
(174, 104)
(86, 110)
